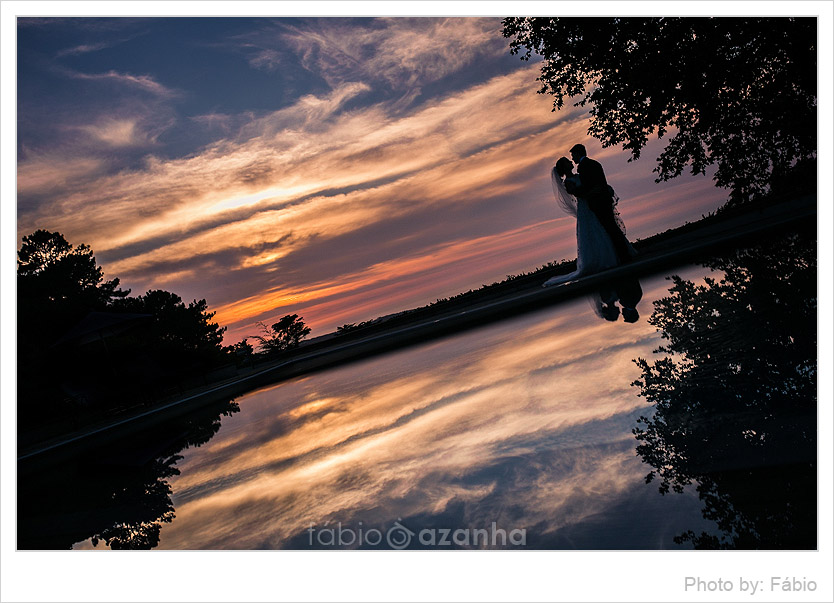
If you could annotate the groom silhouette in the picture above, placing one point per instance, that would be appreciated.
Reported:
(600, 197)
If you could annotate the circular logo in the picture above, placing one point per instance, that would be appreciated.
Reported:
(398, 536)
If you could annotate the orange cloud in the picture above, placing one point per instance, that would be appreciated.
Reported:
(387, 277)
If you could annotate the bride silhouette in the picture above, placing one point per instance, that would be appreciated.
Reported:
(595, 250)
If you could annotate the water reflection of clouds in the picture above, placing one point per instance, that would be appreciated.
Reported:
(532, 415)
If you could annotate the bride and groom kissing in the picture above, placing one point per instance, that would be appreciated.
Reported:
(601, 242)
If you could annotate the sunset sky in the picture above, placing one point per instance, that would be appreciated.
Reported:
(337, 168)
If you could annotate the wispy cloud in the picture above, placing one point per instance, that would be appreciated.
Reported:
(401, 51)
(216, 121)
(83, 49)
(270, 169)
(121, 132)
(265, 58)
(145, 83)
(45, 173)
(98, 45)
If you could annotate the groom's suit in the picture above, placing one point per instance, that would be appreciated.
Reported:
(595, 190)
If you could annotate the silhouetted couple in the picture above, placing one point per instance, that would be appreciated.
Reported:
(601, 242)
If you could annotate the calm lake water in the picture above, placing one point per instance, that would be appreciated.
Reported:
(517, 435)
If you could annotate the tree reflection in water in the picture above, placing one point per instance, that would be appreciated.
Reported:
(735, 396)
(117, 495)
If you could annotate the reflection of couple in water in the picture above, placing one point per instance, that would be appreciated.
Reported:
(600, 235)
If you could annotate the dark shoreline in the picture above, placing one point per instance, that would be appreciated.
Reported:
(514, 297)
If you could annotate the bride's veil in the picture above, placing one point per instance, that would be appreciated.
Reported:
(565, 200)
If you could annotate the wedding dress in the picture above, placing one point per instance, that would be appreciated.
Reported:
(594, 249)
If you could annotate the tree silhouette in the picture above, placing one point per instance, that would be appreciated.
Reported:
(47, 263)
(737, 92)
(144, 504)
(735, 396)
(242, 351)
(178, 328)
(106, 494)
(66, 374)
(285, 334)
(57, 285)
